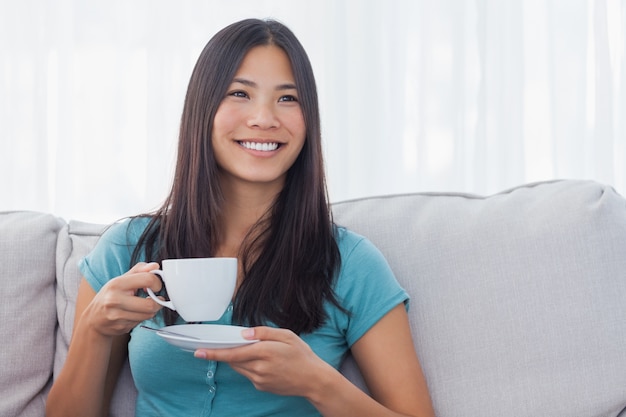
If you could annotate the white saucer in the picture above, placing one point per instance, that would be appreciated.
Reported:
(208, 336)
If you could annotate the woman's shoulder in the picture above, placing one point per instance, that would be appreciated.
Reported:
(126, 231)
(349, 241)
(112, 254)
(359, 254)
(366, 286)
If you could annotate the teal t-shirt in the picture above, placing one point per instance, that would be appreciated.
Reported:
(172, 382)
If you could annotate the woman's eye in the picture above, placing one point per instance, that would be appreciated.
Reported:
(287, 98)
(240, 94)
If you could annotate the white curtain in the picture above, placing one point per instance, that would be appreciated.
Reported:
(417, 95)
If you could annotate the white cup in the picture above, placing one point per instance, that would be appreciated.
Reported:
(199, 289)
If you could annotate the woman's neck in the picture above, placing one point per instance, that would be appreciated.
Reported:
(243, 207)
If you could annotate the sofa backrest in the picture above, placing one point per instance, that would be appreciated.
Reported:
(517, 299)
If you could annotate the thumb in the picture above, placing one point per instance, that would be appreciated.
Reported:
(248, 333)
(144, 267)
(266, 333)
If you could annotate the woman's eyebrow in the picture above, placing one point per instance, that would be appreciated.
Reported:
(252, 84)
(287, 86)
(245, 82)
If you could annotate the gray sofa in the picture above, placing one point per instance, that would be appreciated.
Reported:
(518, 299)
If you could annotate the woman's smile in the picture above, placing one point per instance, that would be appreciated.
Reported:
(259, 146)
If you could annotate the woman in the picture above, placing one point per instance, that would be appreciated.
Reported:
(249, 183)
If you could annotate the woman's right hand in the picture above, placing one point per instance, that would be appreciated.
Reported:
(115, 309)
(99, 342)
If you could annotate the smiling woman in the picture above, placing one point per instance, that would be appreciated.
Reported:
(304, 288)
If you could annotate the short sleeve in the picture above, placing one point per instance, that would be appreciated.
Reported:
(111, 257)
(366, 286)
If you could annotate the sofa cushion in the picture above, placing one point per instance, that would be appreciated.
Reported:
(76, 240)
(517, 302)
(27, 311)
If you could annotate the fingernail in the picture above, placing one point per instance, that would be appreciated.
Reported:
(247, 333)
(200, 354)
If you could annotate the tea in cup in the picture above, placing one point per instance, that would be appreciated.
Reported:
(199, 289)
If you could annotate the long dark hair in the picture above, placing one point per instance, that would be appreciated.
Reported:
(291, 258)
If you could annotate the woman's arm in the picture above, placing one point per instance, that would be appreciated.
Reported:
(98, 347)
(390, 367)
(387, 360)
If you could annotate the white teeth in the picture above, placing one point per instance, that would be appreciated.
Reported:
(265, 147)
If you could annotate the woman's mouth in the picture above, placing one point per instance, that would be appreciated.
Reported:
(260, 146)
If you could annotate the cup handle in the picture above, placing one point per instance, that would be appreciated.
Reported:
(167, 304)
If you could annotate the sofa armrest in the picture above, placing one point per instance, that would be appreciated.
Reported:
(27, 310)
(75, 241)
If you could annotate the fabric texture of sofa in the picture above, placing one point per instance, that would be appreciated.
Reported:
(518, 301)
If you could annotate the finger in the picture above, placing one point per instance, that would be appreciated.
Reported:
(144, 267)
(268, 334)
(263, 334)
(133, 281)
(143, 306)
(156, 283)
(250, 352)
(249, 333)
(231, 355)
(118, 295)
(244, 353)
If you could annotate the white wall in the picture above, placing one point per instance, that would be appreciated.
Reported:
(417, 95)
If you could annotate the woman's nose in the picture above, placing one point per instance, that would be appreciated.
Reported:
(263, 116)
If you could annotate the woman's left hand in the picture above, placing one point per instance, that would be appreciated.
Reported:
(280, 362)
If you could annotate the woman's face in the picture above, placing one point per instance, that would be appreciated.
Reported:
(259, 128)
